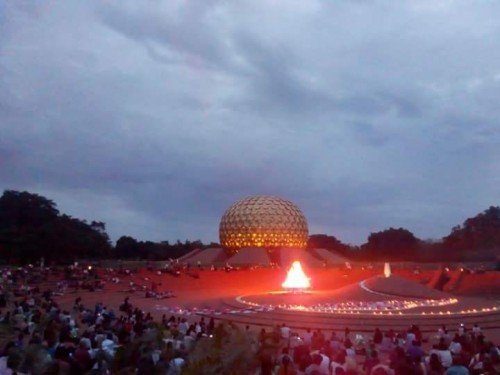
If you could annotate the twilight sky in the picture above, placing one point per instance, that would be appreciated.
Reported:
(155, 116)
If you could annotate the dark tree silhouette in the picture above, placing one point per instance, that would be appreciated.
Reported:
(31, 227)
(324, 241)
(126, 247)
(480, 232)
(130, 248)
(391, 244)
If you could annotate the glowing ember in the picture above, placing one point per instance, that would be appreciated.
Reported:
(296, 278)
(387, 269)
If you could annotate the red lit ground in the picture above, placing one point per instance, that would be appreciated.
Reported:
(214, 293)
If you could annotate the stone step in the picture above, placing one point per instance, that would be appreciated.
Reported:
(355, 324)
(394, 317)
(361, 323)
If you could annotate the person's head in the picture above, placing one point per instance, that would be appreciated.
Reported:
(459, 360)
(434, 362)
(14, 359)
(442, 344)
(374, 354)
(286, 361)
(400, 352)
(341, 356)
(7, 348)
(266, 365)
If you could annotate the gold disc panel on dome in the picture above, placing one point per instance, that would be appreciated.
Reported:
(263, 221)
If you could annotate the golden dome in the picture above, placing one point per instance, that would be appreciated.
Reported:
(263, 221)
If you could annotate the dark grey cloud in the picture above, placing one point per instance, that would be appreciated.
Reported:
(154, 117)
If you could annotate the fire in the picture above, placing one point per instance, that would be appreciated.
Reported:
(296, 278)
(387, 269)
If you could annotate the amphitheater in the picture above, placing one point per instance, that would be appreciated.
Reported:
(261, 236)
(359, 297)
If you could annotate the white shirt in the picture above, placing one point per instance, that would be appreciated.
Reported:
(4, 370)
(175, 365)
(334, 365)
(351, 352)
(455, 347)
(312, 368)
(108, 346)
(307, 337)
(410, 337)
(444, 356)
(325, 362)
(285, 332)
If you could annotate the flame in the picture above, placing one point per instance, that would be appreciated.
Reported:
(387, 269)
(296, 278)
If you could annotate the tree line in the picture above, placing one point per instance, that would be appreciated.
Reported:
(478, 238)
(32, 228)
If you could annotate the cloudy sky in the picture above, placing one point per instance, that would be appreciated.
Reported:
(155, 116)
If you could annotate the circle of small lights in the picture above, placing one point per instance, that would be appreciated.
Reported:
(391, 307)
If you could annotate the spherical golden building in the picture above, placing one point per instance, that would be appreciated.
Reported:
(263, 221)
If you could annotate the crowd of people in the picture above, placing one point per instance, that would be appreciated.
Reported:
(386, 353)
(43, 338)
